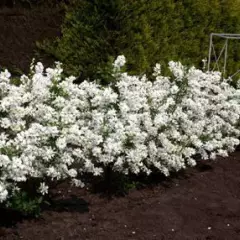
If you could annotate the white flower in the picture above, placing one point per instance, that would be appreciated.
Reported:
(3, 193)
(177, 69)
(78, 183)
(119, 62)
(43, 189)
(157, 70)
(61, 143)
(4, 76)
(72, 173)
(39, 68)
(204, 63)
(174, 89)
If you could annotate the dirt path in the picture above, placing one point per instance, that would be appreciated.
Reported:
(204, 204)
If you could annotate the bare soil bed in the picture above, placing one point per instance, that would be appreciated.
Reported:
(203, 203)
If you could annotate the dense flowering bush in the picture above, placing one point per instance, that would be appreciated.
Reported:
(136, 125)
(52, 128)
(35, 117)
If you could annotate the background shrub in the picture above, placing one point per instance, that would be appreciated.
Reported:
(146, 32)
(95, 32)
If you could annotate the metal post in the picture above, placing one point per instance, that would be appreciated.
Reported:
(210, 51)
(225, 36)
(225, 57)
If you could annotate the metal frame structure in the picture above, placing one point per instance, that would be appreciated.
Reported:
(224, 50)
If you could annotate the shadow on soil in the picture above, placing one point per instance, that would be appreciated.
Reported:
(71, 204)
(203, 167)
(117, 185)
(113, 186)
(9, 218)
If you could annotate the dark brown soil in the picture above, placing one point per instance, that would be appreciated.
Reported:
(202, 204)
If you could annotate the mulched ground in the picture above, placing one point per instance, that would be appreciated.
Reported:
(201, 204)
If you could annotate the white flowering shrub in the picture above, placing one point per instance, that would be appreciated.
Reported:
(137, 125)
(53, 129)
(35, 118)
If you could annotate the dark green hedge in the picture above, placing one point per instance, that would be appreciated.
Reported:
(145, 31)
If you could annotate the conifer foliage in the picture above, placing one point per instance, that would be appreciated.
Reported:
(94, 32)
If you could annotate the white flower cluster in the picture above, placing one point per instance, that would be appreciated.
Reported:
(51, 128)
(37, 117)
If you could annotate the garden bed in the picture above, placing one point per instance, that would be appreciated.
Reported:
(202, 203)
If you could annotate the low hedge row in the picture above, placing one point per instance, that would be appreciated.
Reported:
(53, 129)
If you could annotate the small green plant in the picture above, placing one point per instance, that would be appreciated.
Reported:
(26, 204)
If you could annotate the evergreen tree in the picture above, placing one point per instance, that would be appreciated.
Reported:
(94, 32)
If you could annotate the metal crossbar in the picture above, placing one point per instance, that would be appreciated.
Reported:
(224, 50)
